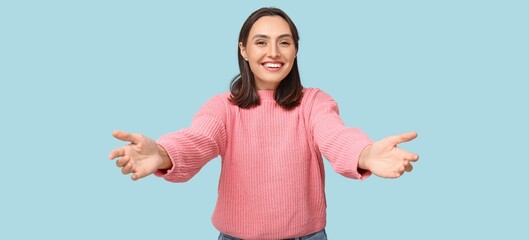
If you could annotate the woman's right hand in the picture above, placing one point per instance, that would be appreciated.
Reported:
(142, 157)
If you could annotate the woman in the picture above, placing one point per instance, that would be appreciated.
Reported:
(271, 134)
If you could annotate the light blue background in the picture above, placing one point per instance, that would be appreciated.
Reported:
(73, 71)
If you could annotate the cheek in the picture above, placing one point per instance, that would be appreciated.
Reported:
(290, 55)
(254, 66)
(254, 53)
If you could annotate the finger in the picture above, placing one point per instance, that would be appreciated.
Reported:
(405, 137)
(407, 156)
(397, 174)
(139, 175)
(127, 168)
(122, 161)
(125, 136)
(118, 152)
(401, 169)
(135, 176)
(412, 157)
(409, 167)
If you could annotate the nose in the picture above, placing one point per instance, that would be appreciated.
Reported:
(273, 51)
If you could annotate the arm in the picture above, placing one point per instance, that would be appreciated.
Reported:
(143, 156)
(176, 156)
(339, 144)
(189, 149)
(350, 151)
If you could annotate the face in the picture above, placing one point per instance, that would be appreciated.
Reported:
(270, 50)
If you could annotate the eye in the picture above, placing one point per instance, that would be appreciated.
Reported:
(284, 43)
(260, 42)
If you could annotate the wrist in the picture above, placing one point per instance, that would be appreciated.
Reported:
(364, 156)
(166, 162)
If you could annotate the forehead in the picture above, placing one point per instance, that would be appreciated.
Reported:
(270, 26)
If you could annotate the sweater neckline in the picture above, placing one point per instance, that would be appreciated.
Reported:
(266, 94)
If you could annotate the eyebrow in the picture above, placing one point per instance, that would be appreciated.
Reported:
(268, 37)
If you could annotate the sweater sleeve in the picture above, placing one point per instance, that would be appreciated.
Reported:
(191, 148)
(339, 144)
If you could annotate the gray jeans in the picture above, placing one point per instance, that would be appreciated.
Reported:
(321, 235)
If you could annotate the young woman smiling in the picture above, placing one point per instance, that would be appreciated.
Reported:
(271, 134)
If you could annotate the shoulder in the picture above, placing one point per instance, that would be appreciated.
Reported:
(317, 101)
(219, 99)
(217, 104)
(315, 96)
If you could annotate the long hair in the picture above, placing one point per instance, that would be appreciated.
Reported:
(243, 90)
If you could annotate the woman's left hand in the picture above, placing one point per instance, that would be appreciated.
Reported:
(385, 159)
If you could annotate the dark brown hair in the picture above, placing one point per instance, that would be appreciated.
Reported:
(243, 90)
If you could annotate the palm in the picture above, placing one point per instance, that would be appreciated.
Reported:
(143, 156)
(140, 157)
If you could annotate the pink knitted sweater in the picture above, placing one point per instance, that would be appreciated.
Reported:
(272, 178)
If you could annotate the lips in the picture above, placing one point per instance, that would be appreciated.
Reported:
(272, 66)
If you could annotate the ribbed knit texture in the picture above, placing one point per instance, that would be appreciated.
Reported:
(272, 178)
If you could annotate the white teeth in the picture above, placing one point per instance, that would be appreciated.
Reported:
(272, 65)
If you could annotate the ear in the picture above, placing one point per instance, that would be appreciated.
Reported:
(242, 49)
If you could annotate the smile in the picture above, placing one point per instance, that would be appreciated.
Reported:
(272, 66)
